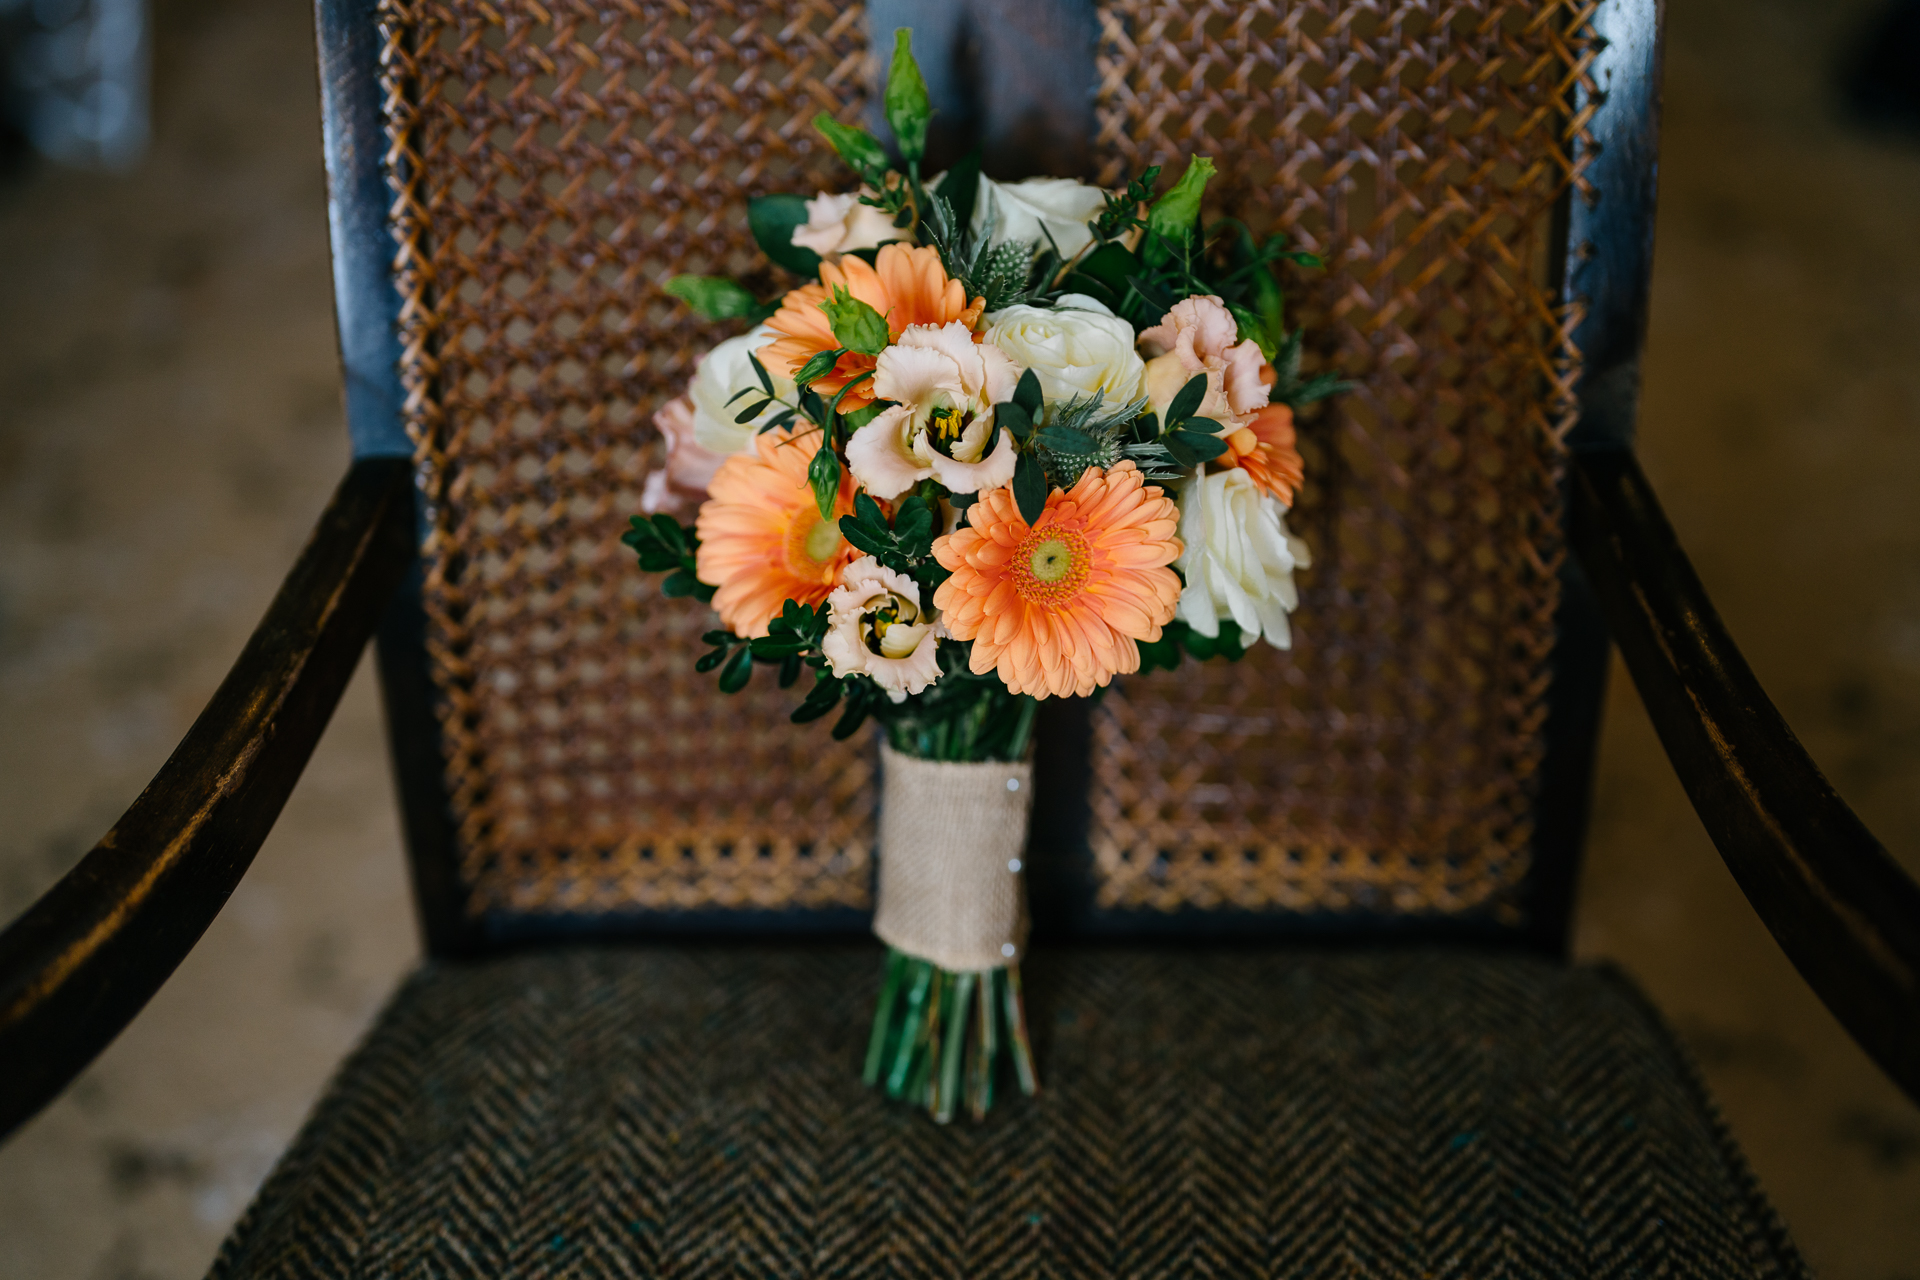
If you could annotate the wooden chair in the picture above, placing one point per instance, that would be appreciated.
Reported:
(1300, 987)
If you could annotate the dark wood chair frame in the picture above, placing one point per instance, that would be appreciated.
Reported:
(85, 958)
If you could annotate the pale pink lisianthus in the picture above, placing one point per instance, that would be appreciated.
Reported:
(838, 224)
(682, 482)
(878, 629)
(1199, 336)
(945, 385)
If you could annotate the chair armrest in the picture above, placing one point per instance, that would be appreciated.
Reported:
(1840, 907)
(85, 958)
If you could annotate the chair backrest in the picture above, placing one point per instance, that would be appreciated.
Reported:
(1419, 758)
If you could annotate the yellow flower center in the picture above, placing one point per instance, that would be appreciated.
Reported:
(893, 612)
(812, 543)
(1051, 564)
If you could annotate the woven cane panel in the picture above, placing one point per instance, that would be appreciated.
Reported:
(553, 165)
(1388, 762)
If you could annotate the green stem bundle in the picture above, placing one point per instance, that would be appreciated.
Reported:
(940, 1036)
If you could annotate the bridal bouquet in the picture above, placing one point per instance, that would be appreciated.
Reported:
(1007, 442)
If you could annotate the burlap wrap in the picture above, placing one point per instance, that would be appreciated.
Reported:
(953, 888)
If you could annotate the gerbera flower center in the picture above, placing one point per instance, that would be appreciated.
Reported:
(1050, 564)
(812, 542)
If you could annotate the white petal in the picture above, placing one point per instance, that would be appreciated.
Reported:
(973, 477)
(913, 372)
(881, 460)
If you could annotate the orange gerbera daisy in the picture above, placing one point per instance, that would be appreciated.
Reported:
(905, 285)
(1264, 449)
(1057, 608)
(762, 541)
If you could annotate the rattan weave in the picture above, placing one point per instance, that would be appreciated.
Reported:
(554, 164)
(1387, 763)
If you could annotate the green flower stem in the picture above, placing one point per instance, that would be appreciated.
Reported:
(877, 1044)
(942, 1036)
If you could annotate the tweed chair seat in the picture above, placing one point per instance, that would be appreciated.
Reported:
(693, 1112)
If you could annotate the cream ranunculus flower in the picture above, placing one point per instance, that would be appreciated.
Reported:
(876, 627)
(1004, 211)
(1239, 558)
(946, 385)
(1075, 348)
(699, 426)
(840, 224)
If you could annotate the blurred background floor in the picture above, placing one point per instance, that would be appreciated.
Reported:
(170, 426)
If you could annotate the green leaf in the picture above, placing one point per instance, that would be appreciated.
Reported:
(856, 326)
(715, 297)
(913, 524)
(760, 372)
(879, 546)
(860, 417)
(1187, 400)
(1270, 304)
(1014, 418)
(1201, 445)
(1178, 451)
(868, 512)
(1174, 214)
(818, 367)
(708, 661)
(772, 220)
(789, 670)
(1252, 328)
(1110, 264)
(737, 672)
(857, 147)
(961, 187)
(823, 473)
(1026, 394)
(820, 699)
(680, 582)
(1030, 488)
(752, 411)
(907, 104)
(1067, 440)
(850, 720)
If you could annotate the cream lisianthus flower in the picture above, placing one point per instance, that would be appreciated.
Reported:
(838, 224)
(1076, 348)
(1031, 211)
(699, 426)
(1199, 335)
(876, 628)
(946, 385)
(1239, 558)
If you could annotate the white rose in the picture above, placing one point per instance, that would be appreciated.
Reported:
(841, 224)
(876, 627)
(1239, 558)
(1075, 348)
(1004, 211)
(724, 371)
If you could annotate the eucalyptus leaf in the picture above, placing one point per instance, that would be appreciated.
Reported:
(1026, 393)
(1014, 418)
(1201, 445)
(1067, 440)
(1030, 488)
(1187, 400)
(752, 411)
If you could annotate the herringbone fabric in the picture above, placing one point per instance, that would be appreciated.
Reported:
(696, 1113)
